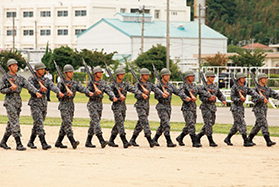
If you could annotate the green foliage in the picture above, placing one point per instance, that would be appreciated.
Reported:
(247, 59)
(6, 55)
(218, 60)
(234, 49)
(79, 77)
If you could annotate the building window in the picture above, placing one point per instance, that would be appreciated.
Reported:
(10, 32)
(28, 32)
(122, 10)
(174, 13)
(80, 13)
(136, 10)
(61, 13)
(45, 32)
(157, 14)
(11, 14)
(78, 31)
(62, 32)
(27, 14)
(45, 14)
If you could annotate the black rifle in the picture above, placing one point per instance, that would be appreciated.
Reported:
(186, 85)
(158, 77)
(236, 85)
(34, 74)
(205, 83)
(62, 78)
(91, 77)
(257, 85)
(137, 79)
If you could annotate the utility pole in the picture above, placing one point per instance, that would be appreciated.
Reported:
(168, 34)
(142, 30)
(199, 65)
(36, 43)
(13, 33)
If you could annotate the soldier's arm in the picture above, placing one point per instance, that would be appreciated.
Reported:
(108, 91)
(183, 93)
(138, 94)
(254, 94)
(5, 87)
(82, 89)
(156, 89)
(274, 94)
(220, 95)
(50, 85)
(234, 94)
(203, 93)
(27, 85)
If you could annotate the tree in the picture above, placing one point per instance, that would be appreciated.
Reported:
(234, 49)
(247, 59)
(6, 55)
(48, 59)
(218, 60)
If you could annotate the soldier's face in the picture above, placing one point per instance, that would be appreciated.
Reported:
(263, 81)
(242, 80)
(69, 74)
(120, 77)
(190, 78)
(166, 78)
(13, 68)
(40, 72)
(99, 75)
(145, 77)
(210, 79)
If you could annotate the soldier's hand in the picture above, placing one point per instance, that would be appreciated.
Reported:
(43, 89)
(242, 99)
(212, 98)
(13, 87)
(98, 92)
(145, 91)
(265, 100)
(165, 95)
(61, 94)
(122, 98)
(144, 96)
(194, 99)
(188, 99)
(91, 94)
(38, 95)
(69, 93)
(224, 102)
(114, 99)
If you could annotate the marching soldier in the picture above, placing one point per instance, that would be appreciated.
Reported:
(142, 107)
(67, 107)
(12, 88)
(260, 111)
(95, 106)
(189, 108)
(38, 106)
(164, 107)
(209, 108)
(238, 97)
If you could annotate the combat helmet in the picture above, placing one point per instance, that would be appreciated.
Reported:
(39, 65)
(262, 75)
(189, 73)
(165, 71)
(97, 69)
(11, 61)
(144, 71)
(68, 68)
(119, 71)
(240, 75)
(209, 74)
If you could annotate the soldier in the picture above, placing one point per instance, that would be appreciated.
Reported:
(12, 88)
(95, 106)
(237, 108)
(260, 111)
(189, 108)
(164, 107)
(67, 107)
(119, 107)
(142, 107)
(209, 109)
(38, 106)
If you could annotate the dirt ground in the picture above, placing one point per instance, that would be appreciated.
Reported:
(142, 166)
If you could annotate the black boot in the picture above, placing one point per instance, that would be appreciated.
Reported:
(31, 141)
(245, 141)
(45, 146)
(88, 142)
(150, 141)
(194, 141)
(73, 142)
(268, 141)
(199, 137)
(126, 144)
(211, 142)
(227, 140)
(3, 143)
(250, 138)
(59, 142)
(133, 141)
(155, 139)
(169, 142)
(111, 141)
(19, 145)
(102, 141)
(179, 139)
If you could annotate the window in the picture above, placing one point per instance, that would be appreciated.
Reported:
(45, 32)
(157, 14)
(11, 14)
(27, 14)
(174, 13)
(62, 32)
(45, 14)
(10, 32)
(80, 13)
(122, 10)
(136, 10)
(28, 32)
(61, 13)
(78, 31)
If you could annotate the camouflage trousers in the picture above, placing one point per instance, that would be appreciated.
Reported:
(190, 117)
(95, 114)
(119, 118)
(261, 123)
(239, 123)
(39, 116)
(142, 122)
(13, 127)
(66, 125)
(164, 127)
(209, 118)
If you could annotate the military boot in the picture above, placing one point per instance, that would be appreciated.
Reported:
(211, 142)
(150, 141)
(88, 142)
(133, 141)
(245, 141)
(227, 140)
(111, 141)
(31, 141)
(45, 146)
(102, 141)
(269, 143)
(73, 141)
(19, 145)
(59, 142)
(126, 144)
(250, 138)
(3, 143)
(155, 139)
(179, 139)
(169, 142)
(194, 141)
(199, 137)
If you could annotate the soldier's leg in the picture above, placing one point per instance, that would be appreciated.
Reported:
(256, 128)
(138, 128)
(265, 131)
(233, 129)
(118, 120)
(6, 136)
(192, 128)
(67, 122)
(143, 118)
(209, 129)
(35, 115)
(160, 129)
(166, 127)
(93, 114)
(184, 132)
(98, 130)
(121, 130)
(242, 128)
(205, 125)
(42, 131)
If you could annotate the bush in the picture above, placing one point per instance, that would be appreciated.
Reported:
(80, 77)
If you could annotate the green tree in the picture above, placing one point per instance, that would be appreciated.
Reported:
(217, 60)
(248, 59)
(48, 59)
(234, 49)
(6, 55)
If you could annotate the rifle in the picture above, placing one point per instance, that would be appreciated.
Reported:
(91, 77)
(6, 76)
(62, 79)
(257, 85)
(113, 79)
(205, 83)
(186, 85)
(159, 79)
(34, 74)
(236, 85)
(137, 79)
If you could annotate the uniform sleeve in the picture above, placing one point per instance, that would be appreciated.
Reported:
(274, 94)
(82, 89)
(203, 93)
(155, 89)
(220, 95)
(108, 91)
(5, 87)
(234, 94)
(90, 86)
(52, 86)
(138, 95)
(132, 89)
(27, 85)
(254, 94)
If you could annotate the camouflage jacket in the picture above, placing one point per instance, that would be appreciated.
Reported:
(189, 105)
(103, 87)
(13, 96)
(66, 102)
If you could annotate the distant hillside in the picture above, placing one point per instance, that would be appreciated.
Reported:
(244, 19)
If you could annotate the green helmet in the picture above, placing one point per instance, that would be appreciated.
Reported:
(119, 71)
(39, 65)
(68, 67)
(144, 71)
(97, 69)
(209, 74)
(165, 71)
(189, 73)
(240, 75)
(262, 75)
(11, 61)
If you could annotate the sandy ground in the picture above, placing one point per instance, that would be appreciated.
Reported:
(143, 166)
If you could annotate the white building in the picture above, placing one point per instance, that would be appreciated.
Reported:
(58, 22)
